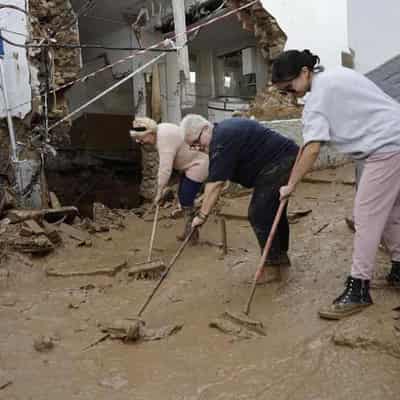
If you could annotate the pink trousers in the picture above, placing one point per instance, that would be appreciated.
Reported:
(377, 212)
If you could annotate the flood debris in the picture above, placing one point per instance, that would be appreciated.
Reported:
(295, 215)
(134, 330)
(368, 333)
(43, 343)
(150, 270)
(109, 271)
(103, 216)
(5, 379)
(49, 214)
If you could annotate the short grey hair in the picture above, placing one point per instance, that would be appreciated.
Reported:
(192, 124)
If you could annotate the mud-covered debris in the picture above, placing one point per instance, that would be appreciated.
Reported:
(132, 330)
(374, 333)
(74, 233)
(115, 382)
(43, 343)
(147, 270)
(51, 215)
(104, 216)
(31, 227)
(5, 379)
(110, 271)
(39, 244)
(295, 215)
(52, 233)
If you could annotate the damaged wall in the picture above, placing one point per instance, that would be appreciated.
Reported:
(15, 62)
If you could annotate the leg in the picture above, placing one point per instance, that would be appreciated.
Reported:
(391, 233)
(263, 207)
(376, 196)
(375, 201)
(188, 190)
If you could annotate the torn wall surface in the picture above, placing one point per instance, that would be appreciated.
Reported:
(14, 26)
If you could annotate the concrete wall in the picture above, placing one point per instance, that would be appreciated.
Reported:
(374, 32)
(292, 129)
(15, 60)
(318, 25)
(124, 99)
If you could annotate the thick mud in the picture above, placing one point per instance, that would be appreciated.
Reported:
(300, 358)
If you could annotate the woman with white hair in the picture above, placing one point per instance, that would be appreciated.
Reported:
(244, 151)
(174, 153)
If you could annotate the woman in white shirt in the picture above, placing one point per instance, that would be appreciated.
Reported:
(348, 110)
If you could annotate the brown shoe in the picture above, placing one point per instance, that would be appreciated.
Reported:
(282, 260)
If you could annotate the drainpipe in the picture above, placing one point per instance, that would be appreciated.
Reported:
(11, 131)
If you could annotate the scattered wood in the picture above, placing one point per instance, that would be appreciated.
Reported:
(54, 202)
(320, 229)
(34, 227)
(73, 233)
(224, 239)
(17, 215)
(111, 271)
(148, 270)
(101, 339)
(35, 244)
(52, 233)
(5, 380)
(295, 215)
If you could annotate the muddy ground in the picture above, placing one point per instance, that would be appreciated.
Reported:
(300, 358)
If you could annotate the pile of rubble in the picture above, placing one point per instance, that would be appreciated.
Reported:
(41, 231)
(271, 105)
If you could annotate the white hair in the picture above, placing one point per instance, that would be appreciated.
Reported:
(192, 124)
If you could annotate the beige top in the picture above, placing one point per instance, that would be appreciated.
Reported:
(175, 153)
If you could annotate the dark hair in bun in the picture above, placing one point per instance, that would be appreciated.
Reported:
(288, 65)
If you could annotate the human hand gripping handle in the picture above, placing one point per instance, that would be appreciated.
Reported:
(286, 191)
(199, 220)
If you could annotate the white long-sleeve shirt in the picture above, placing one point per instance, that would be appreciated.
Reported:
(175, 153)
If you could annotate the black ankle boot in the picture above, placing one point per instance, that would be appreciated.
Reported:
(354, 298)
(393, 278)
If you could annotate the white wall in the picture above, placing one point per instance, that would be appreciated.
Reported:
(318, 25)
(15, 61)
(374, 32)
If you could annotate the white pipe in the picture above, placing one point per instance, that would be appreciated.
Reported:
(100, 95)
(9, 117)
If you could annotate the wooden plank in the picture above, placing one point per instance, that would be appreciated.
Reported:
(34, 227)
(54, 202)
(73, 232)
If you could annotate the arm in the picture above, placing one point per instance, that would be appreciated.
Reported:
(307, 159)
(211, 195)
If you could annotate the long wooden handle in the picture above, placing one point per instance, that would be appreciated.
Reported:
(270, 238)
(153, 232)
(265, 254)
(165, 273)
